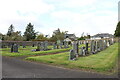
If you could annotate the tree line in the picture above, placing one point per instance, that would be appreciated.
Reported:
(31, 35)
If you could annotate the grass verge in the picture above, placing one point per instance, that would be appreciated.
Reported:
(104, 61)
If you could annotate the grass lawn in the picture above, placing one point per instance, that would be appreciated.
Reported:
(103, 61)
(27, 51)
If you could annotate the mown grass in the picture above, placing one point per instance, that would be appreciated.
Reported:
(27, 51)
(103, 61)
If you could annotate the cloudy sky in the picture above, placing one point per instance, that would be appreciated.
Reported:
(74, 16)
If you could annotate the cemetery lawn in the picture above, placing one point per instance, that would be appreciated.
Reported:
(104, 61)
(28, 52)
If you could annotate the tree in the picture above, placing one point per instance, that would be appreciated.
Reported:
(15, 36)
(84, 37)
(30, 33)
(57, 35)
(117, 31)
(41, 37)
(1, 36)
(10, 30)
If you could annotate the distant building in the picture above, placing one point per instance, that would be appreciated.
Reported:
(102, 35)
(70, 37)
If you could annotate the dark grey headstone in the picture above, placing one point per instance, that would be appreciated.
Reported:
(12, 48)
(3, 46)
(9, 45)
(24, 45)
(33, 45)
(15, 48)
(86, 48)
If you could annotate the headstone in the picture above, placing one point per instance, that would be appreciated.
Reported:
(3, 46)
(84, 42)
(86, 48)
(92, 47)
(18, 46)
(15, 48)
(33, 50)
(54, 45)
(42, 45)
(45, 45)
(82, 51)
(9, 45)
(101, 44)
(24, 45)
(33, 45)
(76, 48)
(12, 48)
(38, 47)
(97, 46)
(112, 40)
(108, 44)
(72, 55)
(105, 44)
(65, 44)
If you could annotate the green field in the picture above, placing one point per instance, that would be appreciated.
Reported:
(104, 61)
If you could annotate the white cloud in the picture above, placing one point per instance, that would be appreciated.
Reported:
(93, 16)
(20, 12)
(92, 22)
(77, 3)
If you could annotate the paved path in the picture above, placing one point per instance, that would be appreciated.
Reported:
(17, 68)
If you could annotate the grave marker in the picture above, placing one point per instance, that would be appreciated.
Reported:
(72, 55)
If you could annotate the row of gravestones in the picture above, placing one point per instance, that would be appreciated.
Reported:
(56, 45)
(41, 46)
(60, 45)
(95, 46)
(24, 44)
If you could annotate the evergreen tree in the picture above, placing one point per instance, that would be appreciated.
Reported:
(117, 31)
(10, 30)
(30, 33)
